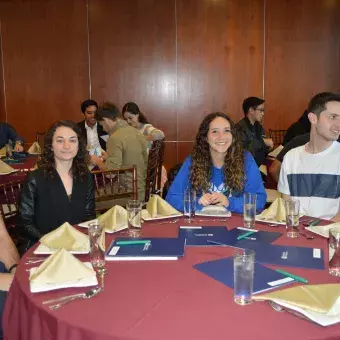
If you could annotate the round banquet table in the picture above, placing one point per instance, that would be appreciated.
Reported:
(166, 300)
(24, 164)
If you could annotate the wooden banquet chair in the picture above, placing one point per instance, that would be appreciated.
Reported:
(40, 139)
(154, 169)
(114, 186)
(277, 136)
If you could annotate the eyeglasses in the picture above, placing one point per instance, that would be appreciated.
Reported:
(261, 110)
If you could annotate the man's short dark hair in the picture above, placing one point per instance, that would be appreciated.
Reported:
(318, 103)
(107, 110)
(251, 103)
(86, 103)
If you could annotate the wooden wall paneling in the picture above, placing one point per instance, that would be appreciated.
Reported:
(302, 56)
(170, 155)
(46, 62)
(184, 150)
(2, 89)
(133, 57)
(220, 59)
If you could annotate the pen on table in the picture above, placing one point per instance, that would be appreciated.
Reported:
(245, 235)
(295, 277)
(214, 242)
(314, 223)
(121, 243)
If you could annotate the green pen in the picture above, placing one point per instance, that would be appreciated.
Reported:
(122, 243)
(314, 223)
(295, 277)
(245, 235)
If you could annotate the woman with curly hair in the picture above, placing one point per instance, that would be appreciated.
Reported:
(218, 169)
(61, 189)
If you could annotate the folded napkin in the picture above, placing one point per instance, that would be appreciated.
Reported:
(316, 298)
(158, 207)
(66, 237)
(276, 151)
(3, 152)
(61, 267)
(5, 168)
(34, 148)
(115, 218)
(323, 230)
(276, 211)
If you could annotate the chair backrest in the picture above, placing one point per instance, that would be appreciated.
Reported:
(277, 136)
(115, 184)
(154, 169)
(40, 139)
(9, 198)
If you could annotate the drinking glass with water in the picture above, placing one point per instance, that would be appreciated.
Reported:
(292, 218)
(243, 276)
(134, 210)
(249, 209)
(97, 246)
(189, 205)
(334, 251)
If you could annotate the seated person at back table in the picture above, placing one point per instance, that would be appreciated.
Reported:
(311, 173)
(126, 146)
(300, 127)
(61, 189)
(7, 134)
(9, 258)
(92, 131)
(252, 132)
(135, 118)
(218, 169)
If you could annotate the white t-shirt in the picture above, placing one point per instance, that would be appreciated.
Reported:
(313, 179)
(93, 145)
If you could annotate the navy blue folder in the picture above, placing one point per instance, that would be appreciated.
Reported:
(311, 258)
(158, 249)
(222, 270)
(198, 236)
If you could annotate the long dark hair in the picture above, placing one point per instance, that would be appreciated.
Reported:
(233, 169)
(79, 167)
(134, 109)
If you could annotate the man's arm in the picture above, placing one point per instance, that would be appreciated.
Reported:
(269, 142)
(274, 170)
(336, 218)
(13, 136)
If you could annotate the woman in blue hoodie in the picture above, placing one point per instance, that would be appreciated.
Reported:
(218, 169)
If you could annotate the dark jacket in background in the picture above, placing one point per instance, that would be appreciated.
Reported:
(7, 132)
(252, 139)
(298, 128)
(44, 204)
(100, 133)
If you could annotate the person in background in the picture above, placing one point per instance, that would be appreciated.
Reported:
(252, 132)
(126, 146)
(300, 127)
(219, 170)
(311, 173)
(91, 130)
(9, 258)
(8, 135)
(135, 118)
(61, 189)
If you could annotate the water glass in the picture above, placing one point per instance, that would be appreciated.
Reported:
(134, 210)
(334, 251)
(97, 246)
(189, 205)
(243, 276)
(249, 209)
(292, 218)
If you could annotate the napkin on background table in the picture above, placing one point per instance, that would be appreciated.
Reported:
(34, 148)
(5, 168)
(66, 237)
(157, 207)
(276, 212)
(61, 267)
(3, 152)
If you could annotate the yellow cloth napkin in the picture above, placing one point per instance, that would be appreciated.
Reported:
(3, 152)
(317, 298)
(5, 168)
(115, 218)
(158, 207)
(66, 237)
(323, 230)
(276, 211)
(61, 267)
(34, 148)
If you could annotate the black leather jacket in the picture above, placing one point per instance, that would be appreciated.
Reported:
(44, 204)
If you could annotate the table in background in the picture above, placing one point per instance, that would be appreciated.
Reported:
(24, 163)
(163, 300)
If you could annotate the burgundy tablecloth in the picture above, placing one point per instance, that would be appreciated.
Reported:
(161, 300)
(26, 163)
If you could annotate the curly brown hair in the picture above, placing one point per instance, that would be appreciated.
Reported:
(79, 167)
(233, 169)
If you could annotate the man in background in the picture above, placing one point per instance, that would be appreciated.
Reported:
(252, 132)
(8, 135)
